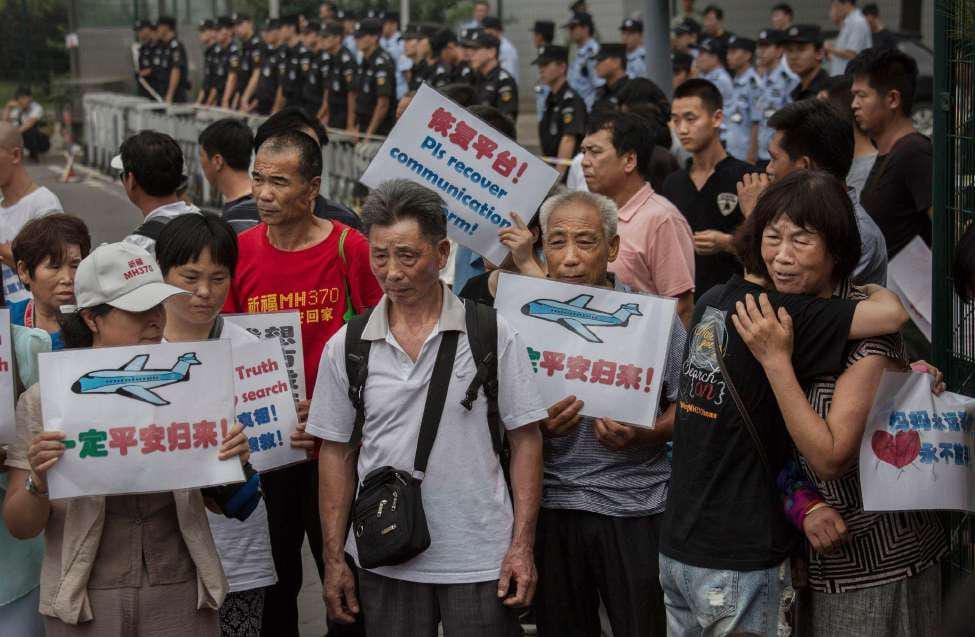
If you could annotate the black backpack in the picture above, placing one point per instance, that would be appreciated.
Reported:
(482, 336)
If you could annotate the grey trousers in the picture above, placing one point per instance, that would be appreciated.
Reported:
(396, 608)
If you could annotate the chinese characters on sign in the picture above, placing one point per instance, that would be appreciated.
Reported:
(286, 327)
(580, 343)
(916, 451)
(481, 175)
(7, 426)
(139, 419)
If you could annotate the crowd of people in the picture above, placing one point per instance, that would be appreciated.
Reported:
(766, 197)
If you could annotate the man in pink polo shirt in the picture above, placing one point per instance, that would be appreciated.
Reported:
(656, 245)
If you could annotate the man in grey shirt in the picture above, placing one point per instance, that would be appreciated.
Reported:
(605, 482)
(813, 135)
(854, 35)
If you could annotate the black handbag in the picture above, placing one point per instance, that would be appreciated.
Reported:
(388, 521)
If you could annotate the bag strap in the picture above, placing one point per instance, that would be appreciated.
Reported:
(482, 335)
(357, 370)
(749, 425)
(350, 312)
(436, 398)
(151, 229)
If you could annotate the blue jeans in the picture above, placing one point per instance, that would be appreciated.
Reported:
(706, 602)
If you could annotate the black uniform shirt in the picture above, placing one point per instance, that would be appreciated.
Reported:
(377, 78)
(442, 74)
(339, 77)
(713, 207)
(498, 89)
(419, 73)
(565, 114)
(819, 83)
(607, 96)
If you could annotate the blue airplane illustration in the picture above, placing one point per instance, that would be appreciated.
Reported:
(132, 380)
(575, 315)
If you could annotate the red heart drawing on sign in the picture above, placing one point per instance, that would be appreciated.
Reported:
(899, 450)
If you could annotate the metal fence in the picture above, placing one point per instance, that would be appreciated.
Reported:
(953, 327)
(112, 117)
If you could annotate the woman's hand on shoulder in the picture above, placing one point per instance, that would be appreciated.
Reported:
(767, 333)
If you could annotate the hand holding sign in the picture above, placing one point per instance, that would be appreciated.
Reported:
(45, 450)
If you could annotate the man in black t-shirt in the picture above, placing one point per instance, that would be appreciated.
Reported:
(375, 107)
(706, 190)
(804, 52)
(225, 158)
(897, 193)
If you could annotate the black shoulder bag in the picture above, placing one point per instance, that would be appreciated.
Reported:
(388, 520)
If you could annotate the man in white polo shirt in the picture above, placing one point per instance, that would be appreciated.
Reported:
(479, 566)
(23, 200)
(151, 169)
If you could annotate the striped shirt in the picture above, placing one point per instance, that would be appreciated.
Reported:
(582, 474)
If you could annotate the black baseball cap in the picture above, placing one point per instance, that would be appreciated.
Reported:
(225, 22)
(734, 42)
(241, 18)
(333, 28)
(682, 62)
(712, 45)
(579, 20)
(611, 50)
(312, 26)
(440, 39)
(480, 39)
(551, 53)
(544, 28)
(289, 20)
(771, 36)
(687, 27)
(168, 20)
(492, 22)
(369, 26)
(272, 24)
(632, 24)
(139, 25)
(804, 34)
(391, 16)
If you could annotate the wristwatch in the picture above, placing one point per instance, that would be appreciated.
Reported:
(32, 488)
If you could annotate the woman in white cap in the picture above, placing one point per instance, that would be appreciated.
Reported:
(117, 565)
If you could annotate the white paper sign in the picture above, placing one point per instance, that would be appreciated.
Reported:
(265, 405)
(8, 428)
(481, 175)
(605, 347)
(916, 451)
(909, 276)
(139, 419)
(285, 326)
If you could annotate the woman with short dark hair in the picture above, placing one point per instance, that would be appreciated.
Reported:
(880, 579)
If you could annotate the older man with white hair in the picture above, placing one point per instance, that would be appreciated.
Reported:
(605, 482)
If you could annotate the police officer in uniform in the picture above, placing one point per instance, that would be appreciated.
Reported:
(173, 62)
(446, 50)
(262, 91)
(631, 35)
(337, 68)
(495, 86)
(563, 121)
(582, 68)
(289, 66)
(776, 82)
(220, 60)
(423, 67)
(611, 68)
(245, 57)
(208, 41)
(542, 33)
(147, 44)
(710, 67)
(375, 107)
(742, 113)
(313, 90)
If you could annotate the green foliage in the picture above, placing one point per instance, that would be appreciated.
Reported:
(33, 50)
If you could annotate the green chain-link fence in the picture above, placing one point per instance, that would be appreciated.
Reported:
(953, 327)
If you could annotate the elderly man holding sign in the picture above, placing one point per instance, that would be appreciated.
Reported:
(143, 564)
(605, 481)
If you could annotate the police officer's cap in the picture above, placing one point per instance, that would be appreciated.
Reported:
(578, 6)
(579, 19)
(480, 39)
(687, 27)
(241, 18)
(804, 34)
(611, 50)
(412, 32)
(374, 13)
(205, 25)
(273, 24)
(139, 25)
(771, 36)
(290, 20)
(544, 28)
(442, 38)
(712, 45)
(225, 22)
(682, 62)
(313, 26)
(167, 20)
(347, 14)
(369, 26)
(746, 44)
(551, 53)
(333, 28)
(428, 30)
(492, 22)
(391, 16)
(632, 24)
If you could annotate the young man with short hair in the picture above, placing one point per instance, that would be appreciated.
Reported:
(854, 35)
(507, 53)
(804, 53)
(296, 261)
(782, 15)
(225, 159)
(706, 190)
(611, 69)
(564, 117)
(151, 169)
(713, 24)
(881, 37)
(495, 86)
(22, 200)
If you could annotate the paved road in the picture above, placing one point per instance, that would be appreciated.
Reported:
(102, 203)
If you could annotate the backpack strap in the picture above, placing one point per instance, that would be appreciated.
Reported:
(350, 312)
(482, 335)
(357, 370)
(151, 229)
